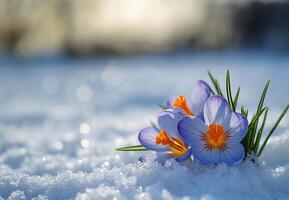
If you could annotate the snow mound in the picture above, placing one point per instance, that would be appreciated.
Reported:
(59, 127)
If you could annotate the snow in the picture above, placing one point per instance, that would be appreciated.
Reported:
(61, 119)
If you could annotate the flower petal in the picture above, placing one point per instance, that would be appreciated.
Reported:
(185, 156)
(238, 127)
(209, 156)
(168, 121)
(147, 137)
(201, 92)
(233, 154)
(217, 111)
(191, 129)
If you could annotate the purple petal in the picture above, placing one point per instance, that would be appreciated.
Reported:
(209, 156)
(217, 111)
(233, 154)
(238, 127)
(191, 129)
(147, 137)
(168, 120)
(199, 150)
(203, 154)
(185, 156)
(201, 92)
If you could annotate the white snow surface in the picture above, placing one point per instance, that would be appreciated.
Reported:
(61, 119)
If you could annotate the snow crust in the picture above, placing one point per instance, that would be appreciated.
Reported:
(60, 122)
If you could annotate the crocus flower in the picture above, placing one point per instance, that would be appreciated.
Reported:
(166, 139)
(194, 106)
(217, 138)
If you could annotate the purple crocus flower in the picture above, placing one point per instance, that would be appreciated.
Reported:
(217, 138)
(194, 107)
(167, 139)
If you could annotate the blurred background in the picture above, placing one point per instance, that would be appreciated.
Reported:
(79, 78)
(93, 27)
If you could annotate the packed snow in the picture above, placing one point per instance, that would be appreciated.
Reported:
(61, 119)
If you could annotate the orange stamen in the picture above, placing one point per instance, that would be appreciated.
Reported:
(181, 102)
(176, 146)
(216, 137)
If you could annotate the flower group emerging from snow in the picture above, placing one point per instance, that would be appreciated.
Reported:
(206, 127)
(203, 126)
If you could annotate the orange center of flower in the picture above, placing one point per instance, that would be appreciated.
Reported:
(181, 102)
(216, 137)
(176, 145)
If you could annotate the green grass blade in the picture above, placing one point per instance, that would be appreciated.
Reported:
(260, 132)
(163, 107)
(244, 111)
(256, 117)
(249, 137)
(215, 84)
(219, 91)
(154, 126)
(273, 129)
(229, 91)
(259, 108)
(132, 148)
(236, 98)
(261, 102)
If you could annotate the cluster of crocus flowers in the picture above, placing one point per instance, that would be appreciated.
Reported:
(203, 128)
(206, 127)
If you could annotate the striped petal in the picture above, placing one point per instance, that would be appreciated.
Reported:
(147, 138)
(234, 154)
(238, 127)
(210, 156)
(201, 92)
(217, 111)
(191, 129)
(168, 120)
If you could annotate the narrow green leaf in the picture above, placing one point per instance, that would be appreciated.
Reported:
(273, 129)
(244, 111)
(215, 84)
(261, 102)
(154, 126)
(260, 106)
(229, 92)
(132, 148)
(163, 107)
(260, 132)
(256, 117)
(248, 138)
(219, 91)
(211, 76)
(236, 98)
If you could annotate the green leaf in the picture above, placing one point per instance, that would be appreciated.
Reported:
(249, 137)
(236, 98)
(215, 84)
(259, 108)
(219, 91)
(244, 111)
(229, 92)
(163, 107)
(256, 117)
(261, 102)
(154, 126)
(273, 129)
(132, 148)
(260, 132)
